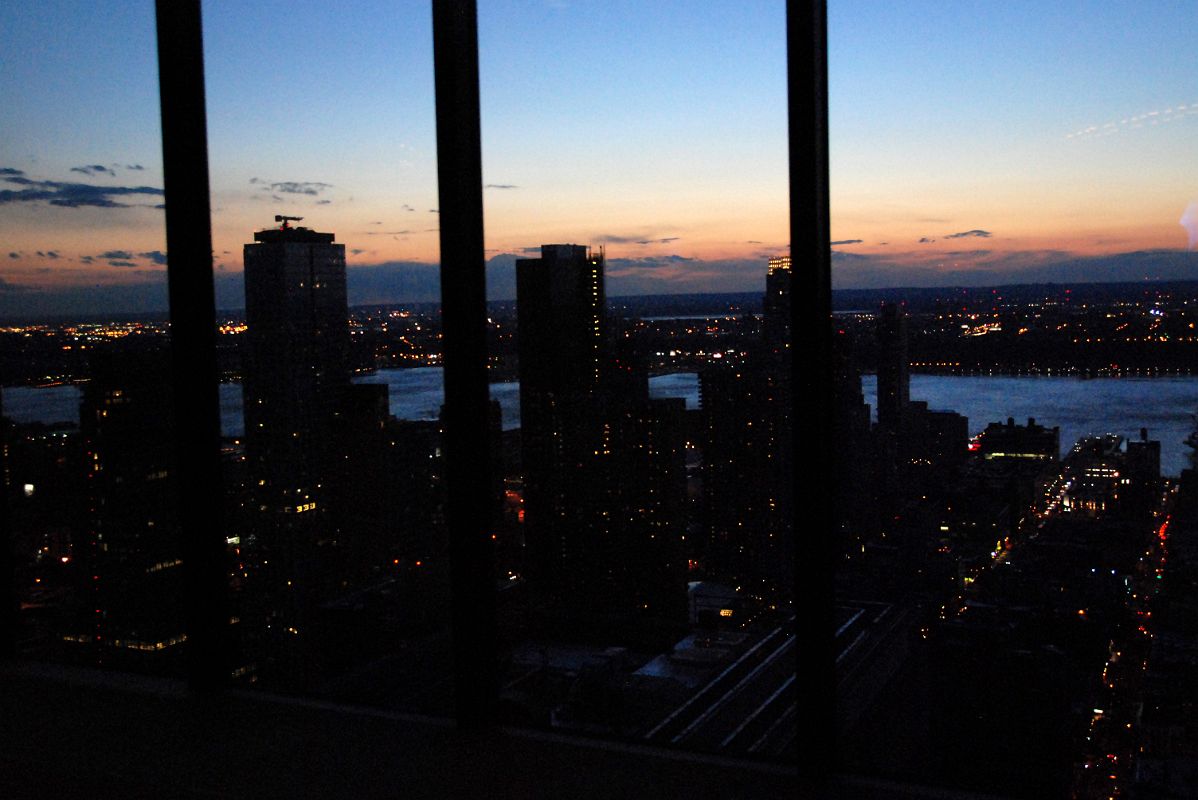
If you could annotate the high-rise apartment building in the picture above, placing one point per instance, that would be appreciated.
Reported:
(562, 322)
(296, 363)
(745, 471)
(746, 432)
(603, 465)
(776, 319)
(295, 387)
(560, 308)
(894, 377)
(129, 593)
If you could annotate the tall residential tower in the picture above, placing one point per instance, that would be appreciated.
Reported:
(560, 308)
(894, 377)
(604, 469)
(776, 319)
(296, 362)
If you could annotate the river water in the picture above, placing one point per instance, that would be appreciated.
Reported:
(415, 394)
(1102, 405)
(1165, 406)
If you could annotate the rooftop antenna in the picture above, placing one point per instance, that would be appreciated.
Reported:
(284, 220)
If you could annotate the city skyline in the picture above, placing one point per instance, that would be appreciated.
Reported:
(1056, 150)
(692, 536)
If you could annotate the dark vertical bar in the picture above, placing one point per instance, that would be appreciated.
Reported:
(811, 370)
(8, 566)
(463, 319)
(193, 338)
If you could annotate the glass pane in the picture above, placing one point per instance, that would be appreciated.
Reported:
(84, 364)
(1013, 302)
(325, 226)
(636, 198)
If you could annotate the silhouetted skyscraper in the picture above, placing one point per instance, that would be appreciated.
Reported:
(747, 455)
(560, 317)
(894, 379)
(599, 458)
(130, 598)
(562, 322)
(296, 379)
(855, 508)
(744, 473)
(296, 363)
(777, 304)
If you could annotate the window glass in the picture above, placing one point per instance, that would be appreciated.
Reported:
(1014, 393)
(90, 474)
(325, 232)
(637, 230)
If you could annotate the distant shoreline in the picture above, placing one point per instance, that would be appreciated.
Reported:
(917, 299)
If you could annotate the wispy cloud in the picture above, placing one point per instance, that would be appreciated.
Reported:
(965, 234)
(650, 262)
(992, 268)
(299, 187)
(501, 186)
(93, 169)
(1147, 119)
(847, 241)
(67, 195)
(615, 238)
(127, 258)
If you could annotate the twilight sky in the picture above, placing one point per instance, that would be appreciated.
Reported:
(972, 142)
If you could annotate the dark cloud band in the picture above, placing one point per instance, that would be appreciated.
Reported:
(299, 187)
(67, 195)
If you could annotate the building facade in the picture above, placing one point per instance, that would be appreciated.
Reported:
(603, 465)
(777, 305)
(894, 375)
(296, 363)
